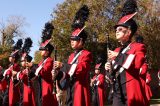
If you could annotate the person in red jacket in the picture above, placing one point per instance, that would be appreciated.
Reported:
(74, 75)
(98, 84)
(127, 61)
(3, 83)
(24, 75)
(10, 74)
(3, 89)
(144, 75)
(45, 67)
(3, 86)
(145, 80)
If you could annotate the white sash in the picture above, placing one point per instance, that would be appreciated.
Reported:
(97, 83)
(40, 67)
(74, 64)
(18, 74)
(128, 61)
(5, 72)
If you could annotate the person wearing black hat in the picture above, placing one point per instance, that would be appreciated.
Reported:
(98, 83)
(74, 75)
(10, 73)
(145, 81)
(127, 61)
(27, 92)
(3, 86)
(139, 39)
(45, 67)
(3, 90)
(145, 75)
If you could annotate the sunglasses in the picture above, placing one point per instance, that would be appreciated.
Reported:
(120, 29)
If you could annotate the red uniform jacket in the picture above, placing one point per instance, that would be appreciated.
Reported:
(14, 91)
(3, 83)
(101, 89)
(134, 89)
(81, 86)
(143, 71)
(28, 91)
(145, 80)
(48, 99)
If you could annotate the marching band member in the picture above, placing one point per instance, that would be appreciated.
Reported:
(9, 74)
(45, 67)
(144, 75)
(25, 75)
(127, 61)
(3, 83)
(145, 81)
(3, 89)
(98, 83)
(74, 75)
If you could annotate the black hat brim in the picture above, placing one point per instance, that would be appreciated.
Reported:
(75, 38)
(123, 25)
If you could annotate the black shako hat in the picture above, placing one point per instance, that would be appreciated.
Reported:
(78, 24)
(128, 12)
(26, 49)
(46, 37)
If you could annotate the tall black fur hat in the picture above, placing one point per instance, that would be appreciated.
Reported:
(26, 49)
(46, 37)
(79, 24)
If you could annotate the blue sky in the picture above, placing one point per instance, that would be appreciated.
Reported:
(35, 12)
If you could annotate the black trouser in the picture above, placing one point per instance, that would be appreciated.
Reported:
(95, 98)
(119, 95)
(5, 99)
(1, 98)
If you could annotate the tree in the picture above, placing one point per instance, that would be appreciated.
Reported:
(37, 57)
(13, 28)
(149, 28)
(8, 31)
